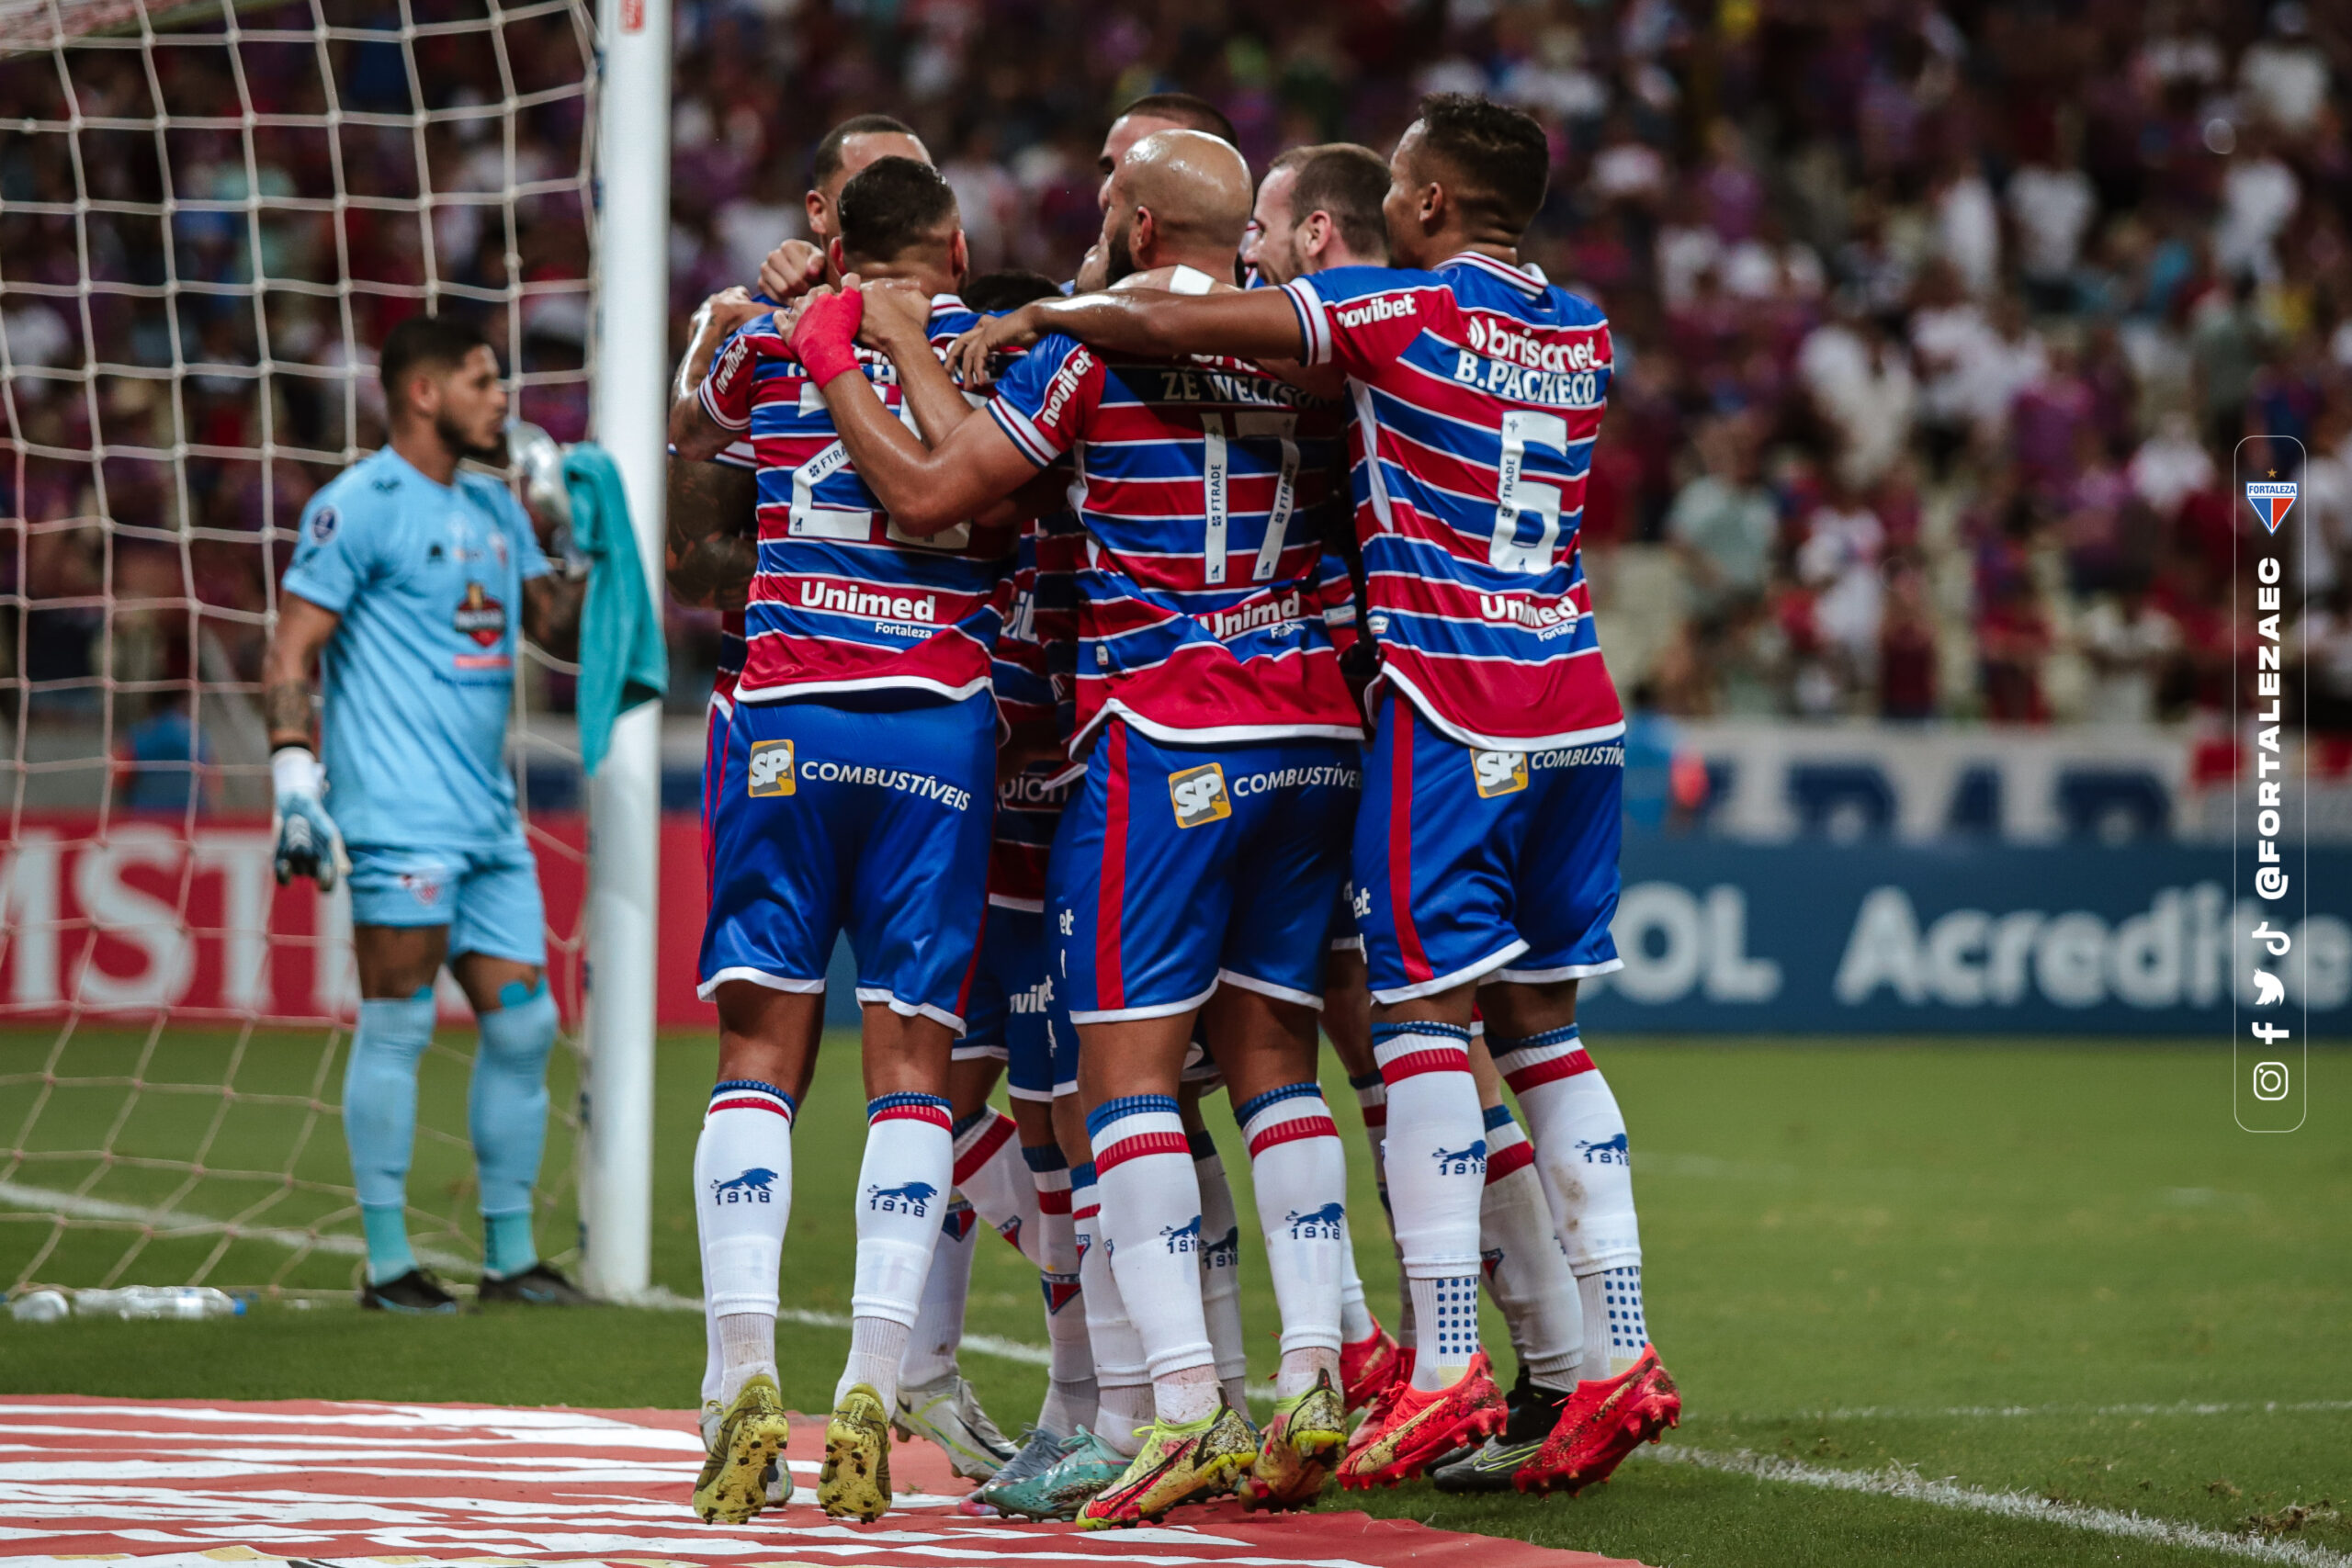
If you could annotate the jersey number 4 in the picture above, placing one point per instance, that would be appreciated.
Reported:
(1521, 498)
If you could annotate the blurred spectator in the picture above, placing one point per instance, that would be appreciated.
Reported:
(1906, 648)
(2052, 206)
(1723, 524)
(166, 761)
(2129, 643)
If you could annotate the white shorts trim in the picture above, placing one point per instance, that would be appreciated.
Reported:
(1566, 972)
(1216, 735)
(1460, 976)
(1456, 733)
(759, 977)
(963, 1051)
(1025, 905)
(1031, 1095)
(1124, 1015)
(1268, 988)
(872, 994)
(1062, 1090)
(1347, 944)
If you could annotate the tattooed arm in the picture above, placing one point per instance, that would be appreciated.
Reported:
(302, 630)
(711, 548)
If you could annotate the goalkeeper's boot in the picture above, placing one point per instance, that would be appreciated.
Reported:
(1369, 1365)
(854, 1482)
(1300, 1445)
(1602, 1422)
(745, 1470)
(1534, 1412)
(1085, 1465)
(1416, 1425)
(1186, 1463)
(414, 1291)
(537, 1286)
(947, 1413)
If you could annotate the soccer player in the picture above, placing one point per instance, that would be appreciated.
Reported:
(1221, 760)
(1319, 208)
(1485, 860)
(852, 788)
(405, 586)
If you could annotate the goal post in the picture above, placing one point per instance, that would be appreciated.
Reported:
(625, 805)
(210, 211)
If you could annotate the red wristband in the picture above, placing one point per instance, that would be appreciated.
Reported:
(825, 337)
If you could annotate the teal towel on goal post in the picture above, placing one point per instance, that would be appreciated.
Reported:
(623, 658)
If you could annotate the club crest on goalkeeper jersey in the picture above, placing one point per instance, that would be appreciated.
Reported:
(1477, 392)
(842, 600)
(1199, 483)
(419, 675)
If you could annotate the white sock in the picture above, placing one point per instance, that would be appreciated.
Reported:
(1151, 1219)
(1122, 1387)
(1356, 1322)
(1300, 1176)
(939, 1323)
(1580, 1146)
(989, 1174)
(1526, 1271)
(1436, 1173)
(742, 1200)
(1221, 1270)
(1069, 1379)
(1372, 1099)
(1614, 1328)
(901, 1199)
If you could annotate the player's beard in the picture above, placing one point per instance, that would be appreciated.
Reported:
(453, 436)
(1118, 261)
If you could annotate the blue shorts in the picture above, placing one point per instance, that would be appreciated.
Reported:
(488, 898)
(1473, 864)
(1011, 1016)
(823, 819)
(1215, 863)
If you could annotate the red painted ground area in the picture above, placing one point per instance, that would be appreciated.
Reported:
(172, 1480)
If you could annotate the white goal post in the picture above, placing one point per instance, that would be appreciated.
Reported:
(209, 210)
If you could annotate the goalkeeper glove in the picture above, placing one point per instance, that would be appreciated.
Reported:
(308, 844)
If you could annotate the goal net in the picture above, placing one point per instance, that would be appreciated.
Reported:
(208, 214)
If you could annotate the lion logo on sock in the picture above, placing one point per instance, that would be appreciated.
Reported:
(1608, 1151)
(1185, 1237)
(1224, 1252)
(914, 1198)
(1317, 1224)
(751, 1187)
(1461, 1162)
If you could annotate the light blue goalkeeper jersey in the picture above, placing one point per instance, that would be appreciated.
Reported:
(428, 580)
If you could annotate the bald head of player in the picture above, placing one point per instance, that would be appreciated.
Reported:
(1469, 173)
(1319, 208)
(848, 148)
(1153, 112)
(1178, 198)
(899, 223)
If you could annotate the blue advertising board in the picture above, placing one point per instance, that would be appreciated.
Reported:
(1966, 938)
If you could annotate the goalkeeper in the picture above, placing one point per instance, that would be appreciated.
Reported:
(404, 585)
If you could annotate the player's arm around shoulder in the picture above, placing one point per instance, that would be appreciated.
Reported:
(924, 491)
(1147, 323)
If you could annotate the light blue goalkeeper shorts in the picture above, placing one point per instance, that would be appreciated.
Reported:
(488, 898)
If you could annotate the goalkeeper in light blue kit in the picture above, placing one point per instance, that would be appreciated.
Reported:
(405, 583)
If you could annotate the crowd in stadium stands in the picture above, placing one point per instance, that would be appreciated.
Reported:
(1937, 326)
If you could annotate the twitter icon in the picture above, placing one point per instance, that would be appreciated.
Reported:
(2269, 990)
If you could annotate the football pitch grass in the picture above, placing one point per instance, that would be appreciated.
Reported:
(1910, 1290)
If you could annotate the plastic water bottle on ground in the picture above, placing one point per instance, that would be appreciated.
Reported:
(39, 1307)
(180, 1301)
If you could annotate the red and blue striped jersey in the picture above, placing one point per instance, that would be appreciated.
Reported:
(842, 600)
(1198, 480)
(1029, 803)
(1477, 391)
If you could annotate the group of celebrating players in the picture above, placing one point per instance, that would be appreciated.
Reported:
(1142, 675)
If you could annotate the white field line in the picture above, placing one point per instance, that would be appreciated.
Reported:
(181, 1222)
(2005, 1412)
(1909, 1486)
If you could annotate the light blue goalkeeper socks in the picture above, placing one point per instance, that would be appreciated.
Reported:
(507, 1110)
(379, 1122)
